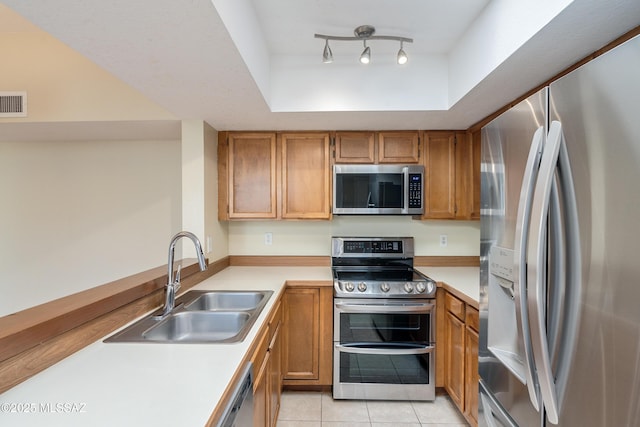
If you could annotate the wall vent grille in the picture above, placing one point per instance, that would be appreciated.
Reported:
(13, 104)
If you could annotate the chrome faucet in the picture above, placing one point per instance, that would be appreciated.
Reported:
(173, 283)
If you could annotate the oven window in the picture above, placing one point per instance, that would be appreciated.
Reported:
(384, 369)
(384, 328)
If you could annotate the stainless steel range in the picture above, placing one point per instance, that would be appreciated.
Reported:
(384, 321)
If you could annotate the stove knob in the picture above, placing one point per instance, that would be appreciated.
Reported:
(349, 287)
(408, 287)
(362, 286)
(384, 287)
(420, 288)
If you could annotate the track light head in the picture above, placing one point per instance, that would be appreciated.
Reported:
(365, 57)
(327, 55)
(402, 56)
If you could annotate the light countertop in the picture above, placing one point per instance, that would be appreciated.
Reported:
(464, 282)
(135, 384)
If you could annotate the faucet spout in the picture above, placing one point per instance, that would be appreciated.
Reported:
(173, 282)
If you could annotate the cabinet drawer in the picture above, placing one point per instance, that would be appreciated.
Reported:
(472, 319)
(454, 306)
(275, 320)
(261, 350)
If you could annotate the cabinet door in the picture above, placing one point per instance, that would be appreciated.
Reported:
(275, 374)
(464, 171)
(355, 147)
(471, 376)
(467, 176)
(308, 336)
(252, 175)
(440, 173)
(306, 176)
(455, 358)
(476, 143)
(261, 395)
(398, 147)
(302, 325)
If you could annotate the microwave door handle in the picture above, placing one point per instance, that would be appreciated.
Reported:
(405, 308)
(384, 351)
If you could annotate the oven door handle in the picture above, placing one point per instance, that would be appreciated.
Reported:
(383, 308)
(384, 351)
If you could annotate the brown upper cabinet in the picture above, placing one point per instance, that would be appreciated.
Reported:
(287, 175)
(355, 147)
(306, 176)
(268, 175)
(399, 147)
(377, 147)
(452, 175)
(248, 163)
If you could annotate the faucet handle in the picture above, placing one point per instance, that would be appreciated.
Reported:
(176, 282)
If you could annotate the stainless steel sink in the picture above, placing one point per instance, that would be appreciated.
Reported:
(247, 300)
(198, 326)
(199, 317)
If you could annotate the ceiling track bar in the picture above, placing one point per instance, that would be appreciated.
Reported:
(339, 38)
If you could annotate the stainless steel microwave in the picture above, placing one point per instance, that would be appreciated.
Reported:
(378, 189)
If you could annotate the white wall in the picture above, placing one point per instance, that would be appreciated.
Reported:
(200, 190)
(80, 214)
(313, 237)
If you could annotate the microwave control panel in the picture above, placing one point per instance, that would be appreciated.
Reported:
(415, 190)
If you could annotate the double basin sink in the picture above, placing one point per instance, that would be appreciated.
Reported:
(200, 317)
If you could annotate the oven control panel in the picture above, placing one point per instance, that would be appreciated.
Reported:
(372, 247)
(376, 289)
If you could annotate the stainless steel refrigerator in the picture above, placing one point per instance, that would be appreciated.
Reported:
(560, 252)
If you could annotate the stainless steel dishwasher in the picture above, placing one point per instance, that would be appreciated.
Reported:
(239, 411)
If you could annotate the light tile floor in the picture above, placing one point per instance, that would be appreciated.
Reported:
(316, 409)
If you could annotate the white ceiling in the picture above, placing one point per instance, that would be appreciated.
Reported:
(254, 64)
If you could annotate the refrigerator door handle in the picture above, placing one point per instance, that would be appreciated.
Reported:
(554, 165)
(523, 219)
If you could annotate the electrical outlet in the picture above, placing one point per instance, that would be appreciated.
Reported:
(443, 240)
(209, 244)
(268, 239)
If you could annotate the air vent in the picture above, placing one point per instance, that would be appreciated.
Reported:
(13, 104)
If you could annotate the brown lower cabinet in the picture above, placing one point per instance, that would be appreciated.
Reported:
(460, 339)
(267, 369)
(294, 349)
(308, 332)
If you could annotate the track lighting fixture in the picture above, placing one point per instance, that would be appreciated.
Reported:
(364, 33)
